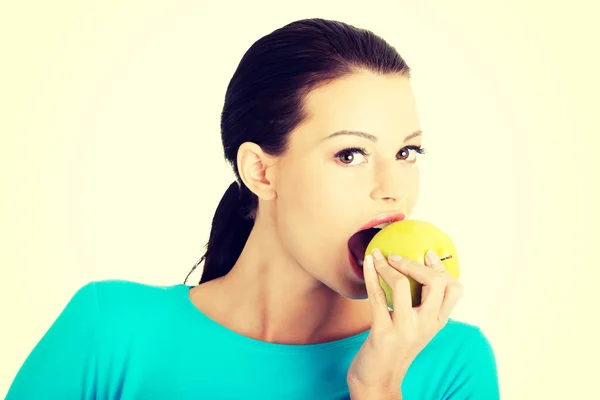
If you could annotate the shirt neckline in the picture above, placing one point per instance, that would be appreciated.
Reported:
(239, 339)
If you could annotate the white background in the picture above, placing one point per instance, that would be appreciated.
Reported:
(111, 164)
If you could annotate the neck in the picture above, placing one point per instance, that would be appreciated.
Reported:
(269, 297)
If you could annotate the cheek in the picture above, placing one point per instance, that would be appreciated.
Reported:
(311, 211)
(412, 188)
(313, 208)
(309, 190)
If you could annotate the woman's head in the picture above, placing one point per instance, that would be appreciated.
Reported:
(300, 100)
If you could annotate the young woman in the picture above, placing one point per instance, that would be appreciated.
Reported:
(320, 126)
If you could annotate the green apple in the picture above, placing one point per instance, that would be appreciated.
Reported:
(410, 238)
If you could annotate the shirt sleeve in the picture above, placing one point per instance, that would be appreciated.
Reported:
(62, 365)
(479, 376)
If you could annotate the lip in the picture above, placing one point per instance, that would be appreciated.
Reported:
(382, 219)
(358, 270)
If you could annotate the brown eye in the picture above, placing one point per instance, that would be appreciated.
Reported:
(349, 156)
(404, 153)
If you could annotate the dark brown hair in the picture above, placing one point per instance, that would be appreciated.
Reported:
(264, 103)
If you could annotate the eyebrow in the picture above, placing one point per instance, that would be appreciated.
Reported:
(368, 135)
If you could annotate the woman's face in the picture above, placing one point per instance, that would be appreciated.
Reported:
(350, 162)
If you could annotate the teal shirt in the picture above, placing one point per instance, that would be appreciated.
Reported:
(126, 340)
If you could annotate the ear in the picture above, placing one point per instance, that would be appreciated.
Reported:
(254, 168)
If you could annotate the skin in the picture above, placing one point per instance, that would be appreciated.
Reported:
(293, 282)
(302, 287)
(396, 338)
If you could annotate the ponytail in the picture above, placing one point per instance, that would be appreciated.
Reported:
(230, 230)
(264, 103)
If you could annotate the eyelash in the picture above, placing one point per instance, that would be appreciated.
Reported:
(363, 152)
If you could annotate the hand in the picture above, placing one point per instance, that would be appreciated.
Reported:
(397, 337)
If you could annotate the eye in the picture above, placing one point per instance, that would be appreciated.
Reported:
(351, 155)
(404, 152)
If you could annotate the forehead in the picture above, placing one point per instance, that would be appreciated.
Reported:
(378, 104)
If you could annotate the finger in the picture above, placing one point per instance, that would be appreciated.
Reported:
(434, 283)
(376, 294)
(433, 260)
(419, 272)
(454, 293)
(454, 290)
(401, 298)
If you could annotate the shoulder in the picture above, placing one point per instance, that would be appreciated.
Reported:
(458, 362)
(123, 292)
(460, 331)
(124, 302)
(465, 335)
(456, 345)
(112, 290)
(466, 349)
(462, 339)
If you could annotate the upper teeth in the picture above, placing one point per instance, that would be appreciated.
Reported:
(383, 225)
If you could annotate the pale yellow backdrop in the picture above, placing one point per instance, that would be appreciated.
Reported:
(111, 163)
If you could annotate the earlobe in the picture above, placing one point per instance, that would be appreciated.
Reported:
(253, 166)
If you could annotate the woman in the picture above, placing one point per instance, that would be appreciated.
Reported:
(320, 126)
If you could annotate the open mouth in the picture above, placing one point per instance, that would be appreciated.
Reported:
(358, 243)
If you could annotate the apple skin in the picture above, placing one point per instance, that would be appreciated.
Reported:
(411, 238)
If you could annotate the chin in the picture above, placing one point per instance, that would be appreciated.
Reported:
(345, 283)
(354, 291)
(350, 285)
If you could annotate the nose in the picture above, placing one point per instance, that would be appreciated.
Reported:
(388, 186)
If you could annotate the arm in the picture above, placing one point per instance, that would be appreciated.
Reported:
(62, 364)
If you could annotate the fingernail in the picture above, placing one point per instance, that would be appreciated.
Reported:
(432, 257)
(369, 262)
(377, 254)
(394, 257)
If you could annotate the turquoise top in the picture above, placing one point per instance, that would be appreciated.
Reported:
(118, 339)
